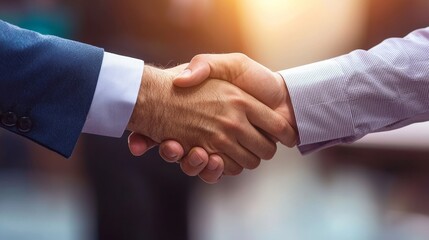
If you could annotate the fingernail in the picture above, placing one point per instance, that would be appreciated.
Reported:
(186, 73)
(195, 162)
(170, 154)
(212, 165)
(167, 152)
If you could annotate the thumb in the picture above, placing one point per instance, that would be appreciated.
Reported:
(139, 144)
(195, 73)
(227, 67)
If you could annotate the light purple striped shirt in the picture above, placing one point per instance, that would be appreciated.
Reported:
(340, 100)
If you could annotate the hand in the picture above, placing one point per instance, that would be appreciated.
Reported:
(215, 115)
(197, 161)
(257, 80)
(260, 82)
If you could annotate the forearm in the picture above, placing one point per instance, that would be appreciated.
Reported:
(345, 98)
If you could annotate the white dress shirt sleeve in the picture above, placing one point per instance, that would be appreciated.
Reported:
(342, 99)
(115, 95)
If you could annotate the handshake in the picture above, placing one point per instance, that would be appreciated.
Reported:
(215, 116)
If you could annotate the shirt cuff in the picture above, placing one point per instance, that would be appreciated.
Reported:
(320, 103)
(115, 95)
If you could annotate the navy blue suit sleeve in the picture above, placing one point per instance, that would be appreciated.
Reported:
(48, 80)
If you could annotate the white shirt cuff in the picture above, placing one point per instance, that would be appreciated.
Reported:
(115, 95)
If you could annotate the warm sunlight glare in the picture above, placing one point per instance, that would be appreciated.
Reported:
(274, 12)
(285, 33)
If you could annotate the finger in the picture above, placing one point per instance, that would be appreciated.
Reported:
(226, 67)
(290, 137)
(256, 142)
(139, 144)
(195, 161)
(234, 153)
(193, 75)
(171, 151)
(213, 171)
(231, 167)
(270, 121)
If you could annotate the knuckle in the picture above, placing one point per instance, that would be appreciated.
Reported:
(232, 168)
(237, 99)
(221, 139)
(281, 127)
(234, 171)
(219, 142)
(292, 141)
(269, 152)
(232, 124)
(241, 56)
(253, 164)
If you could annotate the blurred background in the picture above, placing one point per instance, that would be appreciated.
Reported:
(374, 189)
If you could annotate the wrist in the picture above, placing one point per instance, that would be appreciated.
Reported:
(291, 114)
(142, 108)
(153, 98)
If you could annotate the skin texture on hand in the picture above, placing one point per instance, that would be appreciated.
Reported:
(210, 171)
(215, 115)
(257, 80)
(252, 77)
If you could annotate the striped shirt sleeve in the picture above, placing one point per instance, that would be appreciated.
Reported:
(340, 100)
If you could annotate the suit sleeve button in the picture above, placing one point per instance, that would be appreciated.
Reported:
(25, 124)
(9, 119)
